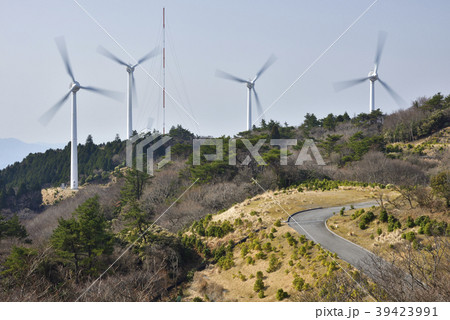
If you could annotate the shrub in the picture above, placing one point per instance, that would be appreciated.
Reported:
(357, 214)
(383, 216)
(259, 275)
(274, 263)
(379, 231)
(422, 221)
(12, 228)
(410, 236)
(249, 260)
(197, 299)
(292, 242)
(261, 294)
(410, 222)
(253, 213)
(393, 223)
(342, 211)
(362, 225)
(271, 236)
(244, 251)
(277, 223)
(259, 285)
(260, 255)
(298, 283)
(19, 262)
(267, 247)
(281, 295)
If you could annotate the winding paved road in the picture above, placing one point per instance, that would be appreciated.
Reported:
(312, 224)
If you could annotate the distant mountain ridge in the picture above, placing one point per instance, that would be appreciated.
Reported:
(13, 150)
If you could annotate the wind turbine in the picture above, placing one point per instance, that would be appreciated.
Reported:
(251, 87)
(131, 87)
(373, 77)
(74, 88)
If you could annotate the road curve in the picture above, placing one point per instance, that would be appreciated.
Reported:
(312, 224)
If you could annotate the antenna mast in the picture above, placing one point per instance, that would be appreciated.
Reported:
(164, 70)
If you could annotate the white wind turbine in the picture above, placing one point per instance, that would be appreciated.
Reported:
(131, 87)
(372, 77)
(74, 88)
(251, 87)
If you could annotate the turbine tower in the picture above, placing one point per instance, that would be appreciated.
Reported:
(250, 87)
(74, 88)
(373, 77)
(131, 87)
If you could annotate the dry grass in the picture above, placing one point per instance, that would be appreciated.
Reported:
(369, 238)
(41, 226)
(50, 196)
(236, 284)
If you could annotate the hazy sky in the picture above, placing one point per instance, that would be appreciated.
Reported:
(236, 36)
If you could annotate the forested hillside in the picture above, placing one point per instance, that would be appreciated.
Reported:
(406, 153)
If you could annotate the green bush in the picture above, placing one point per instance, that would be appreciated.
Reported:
(357, 214)
(261, 255)
(12, 228)
(298, 283)
(383, 216)
(249, 260)
(277, 223)
(267, 247)
(362, 225)
(379, 231)
(259, 285)
(244, 250)
(274, 263)
(226, 262)
(410, 236)
(261, 294)
(410, 222)
(393, 223)
(281, 295)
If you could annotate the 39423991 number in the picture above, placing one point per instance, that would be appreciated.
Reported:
(406, 311)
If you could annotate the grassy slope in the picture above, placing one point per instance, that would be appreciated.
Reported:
(384, 243)
(236, 284)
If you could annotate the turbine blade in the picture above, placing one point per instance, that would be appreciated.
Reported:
(258, 104)
(222, 74)
(50, 113)
(107, 93)
(61, 44)
(109, 55)
(400, 101)
(266, 65)
(149, 55)
(133, 88)
(382, 35)
(338, 86)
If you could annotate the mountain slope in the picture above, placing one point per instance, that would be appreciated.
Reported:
(13, 150)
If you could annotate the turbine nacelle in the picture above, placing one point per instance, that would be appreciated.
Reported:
(74, 86)
(250, 84)
(373, 76)
(130, 69)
